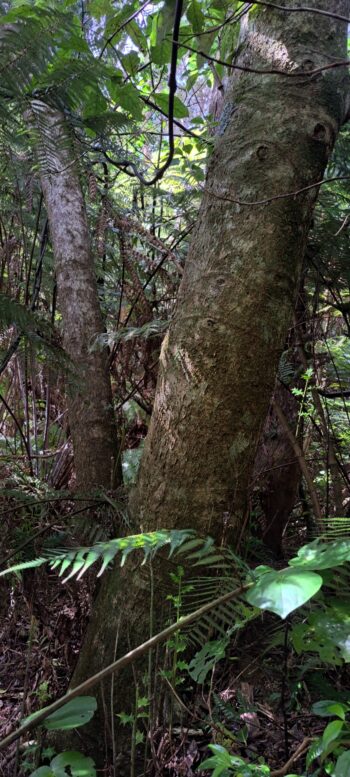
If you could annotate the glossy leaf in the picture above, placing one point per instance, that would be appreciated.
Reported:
(327, 708)
(79, 765)
(342, 767)
(70, 762)
(72, 715)
(284, 591)
(315, 751)
(331, 733)
(221, 761)
(318, 555)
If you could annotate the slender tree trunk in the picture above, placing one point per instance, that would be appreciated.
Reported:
(91, 416)
(219, 359)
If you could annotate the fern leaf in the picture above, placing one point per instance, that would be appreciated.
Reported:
(78, 560)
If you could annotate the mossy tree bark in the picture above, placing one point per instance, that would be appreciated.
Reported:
(219, 359)
(91, 416)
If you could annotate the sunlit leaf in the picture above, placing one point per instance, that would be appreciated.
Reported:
(162, 100)
(284, 591)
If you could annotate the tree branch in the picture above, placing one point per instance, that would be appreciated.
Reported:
(268, 71)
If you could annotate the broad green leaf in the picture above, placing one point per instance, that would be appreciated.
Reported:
(206, 658)
(195, 16)
(162, 100)
(221, 761)
(284, 591)
(318, 555)
(131, 62)
(137, 36)
(43, 771)
(342, 767)
(127, 97)
(161, 33)
(79, 764)
(327, 708)
(72, 715)
(98, 8)
(117, 20)
(331, 733)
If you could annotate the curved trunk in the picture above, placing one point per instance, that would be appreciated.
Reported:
(219, 359)
(90, 409)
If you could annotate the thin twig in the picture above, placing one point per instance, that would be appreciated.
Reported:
(298, 752)
(268, 71)
(282, 196)
(303, 9)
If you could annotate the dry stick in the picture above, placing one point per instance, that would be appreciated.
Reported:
(299, 751)
(116, 666)
(302, 463)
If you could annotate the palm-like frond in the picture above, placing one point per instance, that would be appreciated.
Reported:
(78, 560)
(224, 572)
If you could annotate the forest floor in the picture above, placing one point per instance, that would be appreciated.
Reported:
(256, 702)
(256, 705)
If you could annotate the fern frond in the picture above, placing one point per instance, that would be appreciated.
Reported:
(12, 313)
(224, 573)
(78, 560)
(150, 329)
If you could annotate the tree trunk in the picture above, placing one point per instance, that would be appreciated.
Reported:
(219, 359)
(91, 417)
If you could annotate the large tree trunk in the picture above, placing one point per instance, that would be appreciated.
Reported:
(91, 417)
(219, 359)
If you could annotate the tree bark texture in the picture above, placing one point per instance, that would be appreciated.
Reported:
(218, 362)
(219, 359)
(91, 416)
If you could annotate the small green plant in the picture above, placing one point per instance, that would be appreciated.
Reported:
(332, 748)
(42, 693)
(306, 406)
(132, 719)
(224, 764)
(70, 763)
(178, 644)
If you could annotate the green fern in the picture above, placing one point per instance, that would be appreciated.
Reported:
(78, 560)
(224, 572)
